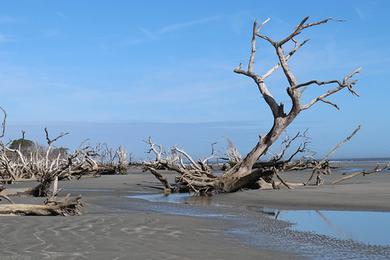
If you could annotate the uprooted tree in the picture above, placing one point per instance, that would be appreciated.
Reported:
(198, 177)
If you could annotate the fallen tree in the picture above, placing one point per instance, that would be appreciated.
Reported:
(377, 169)
(198, 177)
(52, 207)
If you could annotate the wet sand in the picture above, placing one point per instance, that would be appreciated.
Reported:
(228, 226)
(369, 192)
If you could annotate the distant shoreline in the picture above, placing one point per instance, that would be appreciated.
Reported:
(363, 159)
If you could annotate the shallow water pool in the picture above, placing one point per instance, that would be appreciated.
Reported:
(172, 198)
(367, 227)
(363, 226)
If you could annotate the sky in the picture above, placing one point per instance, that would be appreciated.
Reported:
(120, 71)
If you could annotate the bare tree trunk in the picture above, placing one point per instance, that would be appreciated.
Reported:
(240, 175)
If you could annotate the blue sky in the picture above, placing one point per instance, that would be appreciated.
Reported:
(122, 64)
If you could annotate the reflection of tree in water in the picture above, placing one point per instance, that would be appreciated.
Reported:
(338, 230)
(199, 200)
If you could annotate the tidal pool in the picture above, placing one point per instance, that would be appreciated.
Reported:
(363, 226)
(368, 227)
(172, 198)
(87, 190)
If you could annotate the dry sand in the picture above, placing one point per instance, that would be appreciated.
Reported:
(222, 227)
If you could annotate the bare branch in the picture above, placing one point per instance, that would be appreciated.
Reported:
(301, 26)
(6, 198)
(375, 170)
(285, 145)
(330, 103)
(51, 141)
(258, 80)
(269, 99)
(301, 149)
(323, 165)
(347, 139)
(167, 187)
(255, 30)
(156, 149)
(288, 56)
(281, 180)
(186, 155)
(346, 83)
(317, 82)
(268, 39)
(283, 62)
(3, 125)
(232, 152)
(212, 155)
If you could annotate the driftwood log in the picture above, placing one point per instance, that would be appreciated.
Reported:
(377, 169)
(52, 207)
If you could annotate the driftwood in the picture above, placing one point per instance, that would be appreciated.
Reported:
(322, 167)
(65, 207)
(377, 169)
(47, 167)
(196, 177)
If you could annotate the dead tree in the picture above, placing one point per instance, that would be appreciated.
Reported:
(199, 179)
(109, 161)
(45, 164)
(123, 163)
(42, 167)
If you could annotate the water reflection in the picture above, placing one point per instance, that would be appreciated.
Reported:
(362, 226)
(186, 198)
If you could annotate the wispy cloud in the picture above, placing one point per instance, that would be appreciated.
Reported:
(180, 26)
(60, 14)
(147, 33)
(360, 13)
(155, 34)
(4, 38)
(8, 19)
(50, 33)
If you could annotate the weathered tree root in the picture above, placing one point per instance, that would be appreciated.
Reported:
(65, 207)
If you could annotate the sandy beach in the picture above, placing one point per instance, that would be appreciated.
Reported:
(227, 226)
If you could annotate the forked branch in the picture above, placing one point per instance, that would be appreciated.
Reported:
(51, 141)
